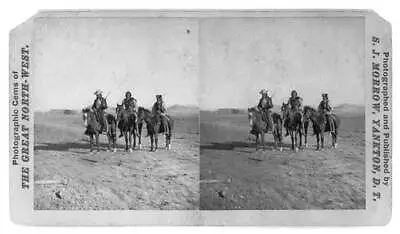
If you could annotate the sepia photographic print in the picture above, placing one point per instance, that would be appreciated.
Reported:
(209, 117)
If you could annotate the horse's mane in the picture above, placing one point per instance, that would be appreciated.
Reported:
(110, 118)
(309, 108)
(141, 108)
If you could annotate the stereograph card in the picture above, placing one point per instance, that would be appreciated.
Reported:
(212, 117)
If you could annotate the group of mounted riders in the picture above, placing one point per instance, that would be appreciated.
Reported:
(130, 105)
(129, 120)
(294, 118)
(295, 104)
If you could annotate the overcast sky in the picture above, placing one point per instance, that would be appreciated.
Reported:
(311, 55)
(225, 66)
(74, 57)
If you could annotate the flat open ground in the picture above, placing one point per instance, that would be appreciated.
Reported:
(235, 176)
(105, 180)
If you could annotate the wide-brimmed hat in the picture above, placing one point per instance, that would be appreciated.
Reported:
(263, 91)
(158, 96)
(324, 95)
(294, 91)
(98, 92)
(128, 92)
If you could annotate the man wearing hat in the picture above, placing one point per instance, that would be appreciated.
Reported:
(325, 108)
(130, 104)
(295, 103)
(159, 108)
(99, 106)
(264, 105)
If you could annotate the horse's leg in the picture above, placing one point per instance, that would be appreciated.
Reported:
(109, 138)
(335, 138)
(91, 142)
(322, 140)
(317, 136)
(114, 139)
(166, 142)
(296, 132)
(140, 134)
(169, 140)
(292, 139)
(263, 140)
(130, 140)
(257, 140)
(152, 142)
(156, 142)
(98, 142)
(305, 134)
(126, 140)
(301, 138)
(134, 138)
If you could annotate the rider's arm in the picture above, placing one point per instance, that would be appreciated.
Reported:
(259, 104)
(104, 104)
(94, 104)
(328, 107)
(163, 108)
(154, 108)
(270, 104)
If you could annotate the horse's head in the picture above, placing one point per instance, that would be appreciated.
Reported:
(284, 109)
(251, 115)
(142, 114)
(85, 115)
(308, 111)
(118, 110)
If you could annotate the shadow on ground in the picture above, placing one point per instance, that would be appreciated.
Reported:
(235, 145)
(67, 146)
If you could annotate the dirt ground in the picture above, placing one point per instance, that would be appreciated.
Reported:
(233, 175)
(68, 176)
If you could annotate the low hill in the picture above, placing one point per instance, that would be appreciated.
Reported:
(349, 110)
(183, 110)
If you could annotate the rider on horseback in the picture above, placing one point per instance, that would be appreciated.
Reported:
(295, 103)
(265, 105)
(99, 106)
(159, 108)
(130, 104)
(325, 108)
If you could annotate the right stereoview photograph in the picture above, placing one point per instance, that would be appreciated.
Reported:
(282, 121)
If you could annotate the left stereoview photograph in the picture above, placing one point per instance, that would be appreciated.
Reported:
(115, 113)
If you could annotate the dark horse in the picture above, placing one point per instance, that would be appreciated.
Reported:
(93, 128)
(292, 121)
(259, 127)
(127, 124)
(320, 125)
(154, 127)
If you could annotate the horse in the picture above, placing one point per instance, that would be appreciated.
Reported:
(154, 127)
(320, 125)
(292, 120)
(259, 127)
(93, 128)
(126, 120)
